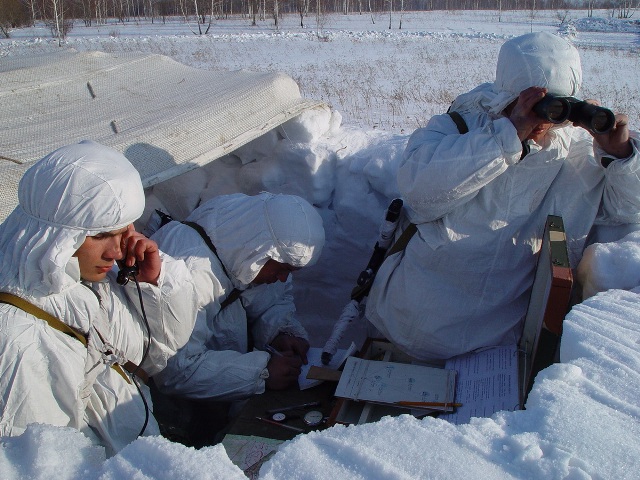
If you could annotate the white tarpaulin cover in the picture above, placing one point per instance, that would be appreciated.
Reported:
(167, 118)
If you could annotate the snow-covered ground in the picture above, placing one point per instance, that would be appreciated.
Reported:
(582, 416)
(393, 79)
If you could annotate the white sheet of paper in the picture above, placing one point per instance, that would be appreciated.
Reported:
(487, 383)
(314, 358)
(392, 382)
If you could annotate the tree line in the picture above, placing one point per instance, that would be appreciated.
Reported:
(60, 15)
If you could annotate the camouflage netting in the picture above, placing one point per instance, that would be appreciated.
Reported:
(166, 117)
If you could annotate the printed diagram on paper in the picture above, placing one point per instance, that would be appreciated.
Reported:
(391, 382)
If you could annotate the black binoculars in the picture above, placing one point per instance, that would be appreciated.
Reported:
(559, 109)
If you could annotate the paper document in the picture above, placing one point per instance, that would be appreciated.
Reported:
(314, 358)
(391, 383)
(250, 452)
(487, 383)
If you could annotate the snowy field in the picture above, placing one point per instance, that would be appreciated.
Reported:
(376, 77)
(582, 416)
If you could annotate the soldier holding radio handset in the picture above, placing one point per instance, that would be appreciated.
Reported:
(76, 342)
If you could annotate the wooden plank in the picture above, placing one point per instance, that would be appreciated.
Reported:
(326, 374)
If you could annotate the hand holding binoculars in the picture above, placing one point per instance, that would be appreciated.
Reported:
(557, 109)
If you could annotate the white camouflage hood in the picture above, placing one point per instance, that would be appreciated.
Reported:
(537, 59)
(249, 230)
(76, 191)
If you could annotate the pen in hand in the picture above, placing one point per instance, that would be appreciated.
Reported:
(273, 351)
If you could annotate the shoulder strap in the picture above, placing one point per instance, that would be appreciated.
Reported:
(232, 297)
(53, 322)
(459, 121)
(235, 293)
(198, 228)
(361, 291)
(403, 239)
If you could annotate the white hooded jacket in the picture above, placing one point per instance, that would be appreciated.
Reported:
(217, 363)
(464, 280)
(47, 376)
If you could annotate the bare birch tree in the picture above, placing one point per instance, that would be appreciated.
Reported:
(625, 8)
(254, 6)
(276, 13)
(54, 13)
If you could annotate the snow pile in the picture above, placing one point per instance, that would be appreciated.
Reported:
(593, 24)
(580, 420)
(610, 265)
(45, 452)
(288, 159)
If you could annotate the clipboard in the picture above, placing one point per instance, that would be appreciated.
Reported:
(348, 411)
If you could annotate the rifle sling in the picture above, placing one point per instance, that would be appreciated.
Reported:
(404, 238)
(360, 291)
(54, 322)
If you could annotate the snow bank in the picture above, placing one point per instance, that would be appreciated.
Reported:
(610, 265)
(599, 24)
(45, 452)
(580, 420)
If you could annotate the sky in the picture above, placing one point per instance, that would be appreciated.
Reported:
(581, 418)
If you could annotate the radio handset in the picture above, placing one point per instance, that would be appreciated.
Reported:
(126, 273)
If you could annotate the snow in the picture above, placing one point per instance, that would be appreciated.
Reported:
(610, 265)
(581, 418)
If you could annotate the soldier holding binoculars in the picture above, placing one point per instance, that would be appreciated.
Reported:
(480, 183)
(536, 111)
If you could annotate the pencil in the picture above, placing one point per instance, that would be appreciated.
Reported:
(273, 351)
(428, 404)
(293, 407)
(288, 427)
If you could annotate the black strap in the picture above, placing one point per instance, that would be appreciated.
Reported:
(235, 293)
(164, 218)
(206, 239)
(362, 290)
(232, 297)
(459, 121)
(403, 239)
